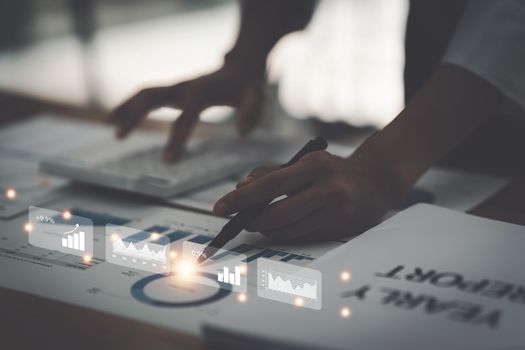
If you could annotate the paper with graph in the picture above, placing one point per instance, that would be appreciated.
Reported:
(129, 289)
(428, 278)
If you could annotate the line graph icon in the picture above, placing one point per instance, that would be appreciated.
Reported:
(145, 253)
(149, 254)
(284, 283)
(289, 283)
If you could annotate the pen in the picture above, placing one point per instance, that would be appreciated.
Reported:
(245, 216)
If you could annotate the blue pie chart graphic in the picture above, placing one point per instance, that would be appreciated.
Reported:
(139, 287)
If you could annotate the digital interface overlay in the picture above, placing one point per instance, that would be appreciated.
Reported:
(60, 231)
(228, 268)
(289, 284)
(138, 249)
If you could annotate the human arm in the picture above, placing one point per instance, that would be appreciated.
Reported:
(238, 83)
(332, 197)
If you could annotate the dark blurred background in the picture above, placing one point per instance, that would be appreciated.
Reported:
(345, 67)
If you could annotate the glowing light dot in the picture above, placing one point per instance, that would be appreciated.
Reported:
(154, 236)
(114, 237)
(185, 268)
(242, 298)
(86, 259)
(244, 269)
(346, 312)
(173, 255)
(346, 276)
(298, 301)
(10, 193)
(28, 227)
(66, 215)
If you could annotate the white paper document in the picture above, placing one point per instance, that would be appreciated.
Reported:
(24, 144)
(20, 175)
(428, 278)
(162, 300)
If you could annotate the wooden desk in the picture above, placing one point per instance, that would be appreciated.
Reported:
(32, 322)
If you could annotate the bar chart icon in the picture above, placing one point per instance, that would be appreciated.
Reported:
(233, 278)
(70, 234)
(74, 239)
(228, 268)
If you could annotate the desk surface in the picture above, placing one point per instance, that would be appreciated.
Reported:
(99, 329)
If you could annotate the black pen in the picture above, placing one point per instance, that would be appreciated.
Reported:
(245, 216)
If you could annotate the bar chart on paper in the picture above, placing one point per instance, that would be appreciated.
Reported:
(74, 239)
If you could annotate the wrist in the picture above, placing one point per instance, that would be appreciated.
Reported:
(249, 63)
(373, 162)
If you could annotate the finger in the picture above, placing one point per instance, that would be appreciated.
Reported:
(287, 211)
(257, 173)
(309, 226)
(266, 188)
(128, 115)
(249, 112)
(180, 132)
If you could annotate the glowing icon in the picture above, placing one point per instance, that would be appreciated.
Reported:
(282, 282)
(138, 249)
(62, 231)
(145, 253)
(233, 278)
(75, 239)
(242, 298)
(288, 283)
(226, 266)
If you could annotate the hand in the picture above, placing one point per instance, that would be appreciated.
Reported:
(228, 86)
(328, 197)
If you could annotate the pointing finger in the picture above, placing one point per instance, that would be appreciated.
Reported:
(180, 132)
(129, 114)
(249, 112)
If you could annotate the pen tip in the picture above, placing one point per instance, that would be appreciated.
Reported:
(201, 258)
(322, 142)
